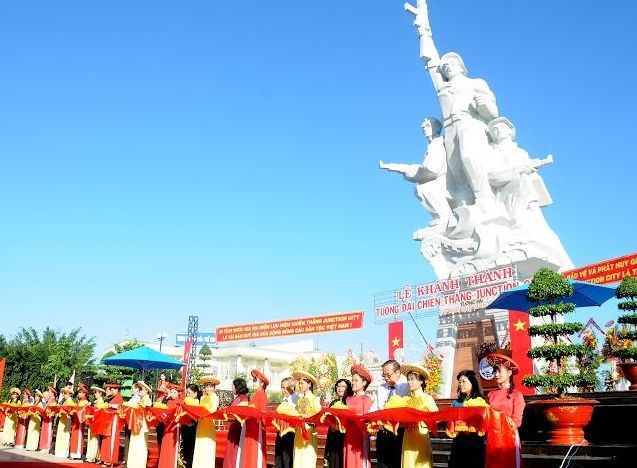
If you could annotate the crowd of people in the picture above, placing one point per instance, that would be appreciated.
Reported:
(90, 429)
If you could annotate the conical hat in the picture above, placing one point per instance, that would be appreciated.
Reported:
(416, 368)
(301, 374)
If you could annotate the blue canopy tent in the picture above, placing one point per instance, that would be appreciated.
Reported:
(584, 295)
(144, 358)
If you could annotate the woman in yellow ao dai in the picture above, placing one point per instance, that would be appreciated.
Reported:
(137, 456)
(93, 440)
(206, 435)
(416, 444)
(63, 434)
(307, 405)
(35, 423)
(11, 420)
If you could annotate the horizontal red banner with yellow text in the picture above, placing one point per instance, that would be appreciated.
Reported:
(296, 326)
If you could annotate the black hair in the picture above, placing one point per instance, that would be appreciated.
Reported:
(511, 387)
(421, 378)
(309, 382)
(240, 386)
(475, 386)
(364, 379)
(511, 382)
(195, 388)
(348, 391)
(394, 365)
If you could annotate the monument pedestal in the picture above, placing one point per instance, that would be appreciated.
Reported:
(466, 331)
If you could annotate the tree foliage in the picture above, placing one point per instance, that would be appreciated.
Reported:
(623, 347)
(552, 309)
(548, 286)
(556, 351)
(103, 373)
(549, 290)
(36, 360)
(205, 361)
(555, 329)
(554, 382)
(627, 289)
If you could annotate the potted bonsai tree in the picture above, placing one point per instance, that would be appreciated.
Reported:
(624, 346)
(568, 415)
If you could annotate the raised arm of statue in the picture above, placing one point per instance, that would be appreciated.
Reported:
(428, 52)
(421, 13)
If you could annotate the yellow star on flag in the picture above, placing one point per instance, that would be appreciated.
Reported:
(395, 342)
(519, 325)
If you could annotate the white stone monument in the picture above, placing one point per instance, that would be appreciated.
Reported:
(483, 192)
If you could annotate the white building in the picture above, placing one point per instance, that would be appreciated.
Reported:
(228, 361)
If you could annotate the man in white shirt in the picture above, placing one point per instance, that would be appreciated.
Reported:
(388, 445)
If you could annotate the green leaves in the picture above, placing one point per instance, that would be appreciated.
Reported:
(625, 353)
(624, 347)
(117, 373)
(559, 383)
(629, 319)
(627, 335)
(552, 309)
(36, 360)
(555, 351)
(548, 285)
(627, 305)
(627, 288)
(555, 329)
(548, 289)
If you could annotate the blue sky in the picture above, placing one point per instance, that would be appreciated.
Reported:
(160, 159)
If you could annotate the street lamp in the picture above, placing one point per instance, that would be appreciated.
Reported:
(161, 336)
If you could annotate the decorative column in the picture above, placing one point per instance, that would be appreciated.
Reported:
(446, 344)
(266, 368)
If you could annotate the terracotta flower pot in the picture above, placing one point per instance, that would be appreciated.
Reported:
(568, 417)
(629, 369)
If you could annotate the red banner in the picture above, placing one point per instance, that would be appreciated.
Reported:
(186, 359)
(2, 363)
(608, 271)
(296, 326)
(395, 338)
(520, 344)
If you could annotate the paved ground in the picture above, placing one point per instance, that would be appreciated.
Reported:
(10, 456)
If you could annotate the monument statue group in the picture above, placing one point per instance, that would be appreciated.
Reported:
(483, 192)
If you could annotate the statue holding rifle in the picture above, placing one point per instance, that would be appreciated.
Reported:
(430, 176)
(482, 191)
(467, 106)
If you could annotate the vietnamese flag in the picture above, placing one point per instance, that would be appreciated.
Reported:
(395, 338)
(520, 344)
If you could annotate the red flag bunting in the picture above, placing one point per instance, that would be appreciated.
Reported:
(184, 370)
(2, 363)
(520, 344)
(395, 338)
